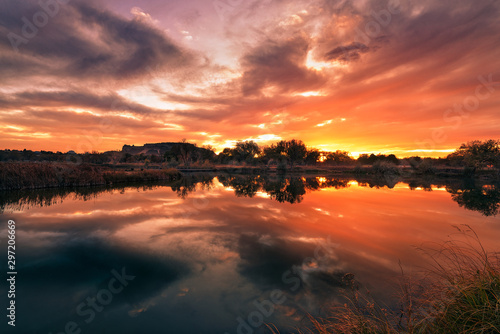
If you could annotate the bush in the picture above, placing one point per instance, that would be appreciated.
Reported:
(383, 167)
(30, 175)
(282, 166)
(469, 171)
(359, 170)
(461, 294)
(426, 167)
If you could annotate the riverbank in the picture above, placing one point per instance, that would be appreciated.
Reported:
(31, 175)
(37, 175)
(459, 292)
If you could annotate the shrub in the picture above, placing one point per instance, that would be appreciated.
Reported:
(426, 167)
(383, 167)
(30, 175)
(461, 294)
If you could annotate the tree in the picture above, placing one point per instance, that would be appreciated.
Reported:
(484, 199)
(184, 151)
(312, 156)
(246, 151)
(225, 156)
(477, 154)
(294, 150)
(338, 157)
(272, 152)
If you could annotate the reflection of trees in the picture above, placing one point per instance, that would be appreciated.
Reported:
(468, 194)
(18, 200)
(379, 181)
(481, 198)
(243, 186)
(188, 184)
(289, 189)
(426, 185)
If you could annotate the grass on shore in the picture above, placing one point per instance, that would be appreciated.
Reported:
(29, 175)
(460, 294)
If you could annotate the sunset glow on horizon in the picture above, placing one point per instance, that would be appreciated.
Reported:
(393, 77)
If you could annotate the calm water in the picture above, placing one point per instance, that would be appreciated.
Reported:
(205, 255)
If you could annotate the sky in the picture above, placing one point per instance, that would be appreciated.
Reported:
(401, 76)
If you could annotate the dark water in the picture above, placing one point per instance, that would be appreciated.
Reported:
(224, 254)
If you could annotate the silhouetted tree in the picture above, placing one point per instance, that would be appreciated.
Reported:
(371, 159)
(312, 156)
(246, 151)
(294, 151)
(477, 154)
(273, 152)
(484, 199)
(338, 157)
(291, 190)
(184, 151)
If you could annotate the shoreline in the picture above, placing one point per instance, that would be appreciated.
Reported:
(42, 175)
(30, 175)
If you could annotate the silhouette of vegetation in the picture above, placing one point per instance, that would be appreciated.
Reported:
(475, 158)
(313, 155)
(291, 151)
(459, 294)
(246, 151)
(371, 159)
(477, 154)
(29, 175)
(189, 183)
(243, 186)
(290, 190)
(16, 200)
(481, 198)
(385, 167)
(337, 158)
(282, 189)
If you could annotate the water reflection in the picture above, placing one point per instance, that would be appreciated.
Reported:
(188, 184)
(468, 193)
(481, 198)
(205, 249)
(282, 189)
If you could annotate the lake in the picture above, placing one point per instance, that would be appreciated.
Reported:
(225, 254)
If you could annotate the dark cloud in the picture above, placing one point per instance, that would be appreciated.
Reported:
(264, 263)
(280, 65)
(86, 42)
(347, 52)
(76, 98)
(251, 63)
(58, 278)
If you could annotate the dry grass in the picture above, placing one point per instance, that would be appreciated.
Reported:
(30, 175)
(141, 176)
(460, 294)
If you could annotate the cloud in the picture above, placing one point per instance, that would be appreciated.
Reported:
(279, 66)
(83, 41)
(347, 52)
(320, 59)
(76, 99)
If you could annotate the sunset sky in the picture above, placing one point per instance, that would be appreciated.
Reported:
(402, 76)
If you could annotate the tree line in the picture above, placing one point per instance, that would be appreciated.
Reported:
(284, 154)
